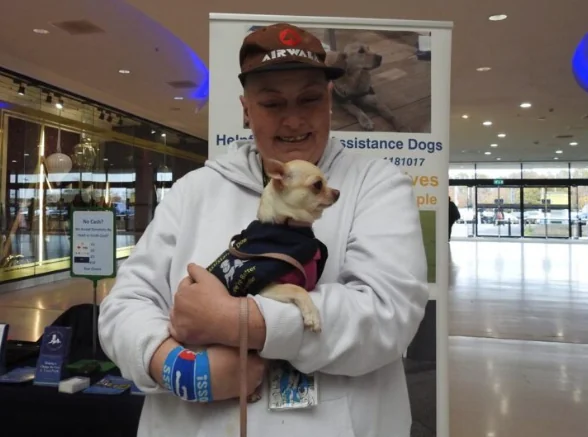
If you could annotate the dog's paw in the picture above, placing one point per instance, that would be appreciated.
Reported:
(254, 397)
(366, 123)
(311, 319)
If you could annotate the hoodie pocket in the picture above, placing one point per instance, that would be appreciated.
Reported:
(338, 412)
(332, 387)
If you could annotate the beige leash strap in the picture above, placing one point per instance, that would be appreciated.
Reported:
(243, 352)
(279, 256)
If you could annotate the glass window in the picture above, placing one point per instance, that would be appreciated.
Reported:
(61, 151)
(462, 171)
(546, 170)
(499, 170)
(579, 170)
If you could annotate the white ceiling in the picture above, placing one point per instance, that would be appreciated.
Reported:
(529, 53)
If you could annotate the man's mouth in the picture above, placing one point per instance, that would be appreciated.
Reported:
(296, 139)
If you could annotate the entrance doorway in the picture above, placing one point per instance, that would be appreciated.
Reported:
(579, 208)
(547, 212)
(498, 211)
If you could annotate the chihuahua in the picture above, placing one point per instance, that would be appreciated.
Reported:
(277, 255)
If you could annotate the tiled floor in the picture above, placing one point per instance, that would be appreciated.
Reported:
(518, 318)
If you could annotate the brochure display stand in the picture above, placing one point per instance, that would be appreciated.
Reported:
(93, 251)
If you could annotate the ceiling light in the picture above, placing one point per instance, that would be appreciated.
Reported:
(525, 105)
(487, 123)
(494, 145)
(487, 153)
(556, 158)
(573, 143)
(163, 135)
(483, 69)
(498, 17)
(178, 98)
(498, 159)
(41, 31)
(465, 116)
(558, 151)
(21, 90)
(124, 71)
(501, 135)
(59, 104)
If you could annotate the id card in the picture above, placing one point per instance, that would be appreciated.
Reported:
(291, 389)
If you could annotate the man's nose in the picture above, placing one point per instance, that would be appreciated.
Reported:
(293, 120)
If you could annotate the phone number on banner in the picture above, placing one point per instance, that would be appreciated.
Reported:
(406, 162)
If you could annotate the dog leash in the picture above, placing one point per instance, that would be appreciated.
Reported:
(244, 325)
(243, 352)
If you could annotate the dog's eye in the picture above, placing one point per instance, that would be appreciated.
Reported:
(318, 185)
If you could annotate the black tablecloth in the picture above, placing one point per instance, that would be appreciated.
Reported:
(29, 410)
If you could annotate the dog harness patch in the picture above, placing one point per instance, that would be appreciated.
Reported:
(249, 275)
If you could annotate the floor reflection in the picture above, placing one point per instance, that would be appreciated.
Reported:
(518, 317)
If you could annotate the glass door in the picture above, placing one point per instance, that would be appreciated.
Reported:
(464, 198)
(546, 212)
(498, 211)
(579, 215)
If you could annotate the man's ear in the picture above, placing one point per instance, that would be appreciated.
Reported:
(245, 106)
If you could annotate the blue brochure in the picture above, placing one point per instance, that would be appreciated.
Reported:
(18, 375)
(109, 385)
(53, 356)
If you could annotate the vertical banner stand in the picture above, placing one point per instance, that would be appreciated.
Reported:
(93, 252)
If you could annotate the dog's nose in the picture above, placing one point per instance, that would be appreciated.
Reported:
(336, 194)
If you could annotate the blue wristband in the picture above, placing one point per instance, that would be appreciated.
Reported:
(168, 366)
(202, 378)
(187, 375)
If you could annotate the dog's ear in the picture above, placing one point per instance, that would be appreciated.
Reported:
(336, 59)
(275, 169)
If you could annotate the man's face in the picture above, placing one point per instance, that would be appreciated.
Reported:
(289, 113)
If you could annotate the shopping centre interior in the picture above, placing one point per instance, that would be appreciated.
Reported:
(105, 104)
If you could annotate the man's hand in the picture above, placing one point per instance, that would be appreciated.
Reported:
(204, 313)
(225, 372)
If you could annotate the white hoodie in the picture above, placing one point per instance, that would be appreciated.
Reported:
(371, 299)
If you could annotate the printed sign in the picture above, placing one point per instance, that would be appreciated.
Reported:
(93, 243)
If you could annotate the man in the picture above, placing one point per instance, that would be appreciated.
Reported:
(371, 295)
(454, 215)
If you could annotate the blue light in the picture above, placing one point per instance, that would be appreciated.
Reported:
(202, 91)
(580, 63)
